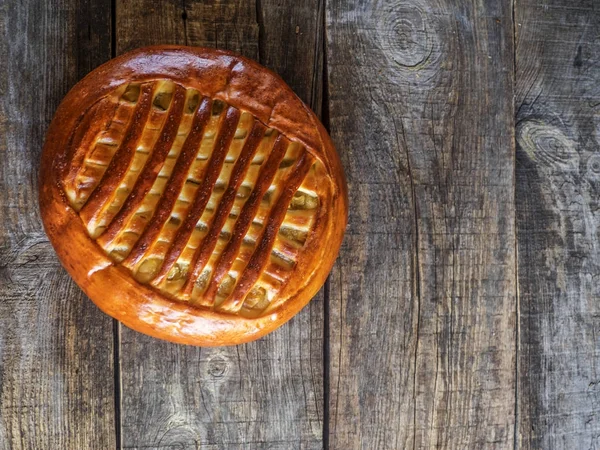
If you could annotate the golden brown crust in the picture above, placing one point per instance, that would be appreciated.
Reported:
(260, 256)
(265, 177)
(202, 197)
(146, 179)
(167, 201)
(246, 87)
(206, 247)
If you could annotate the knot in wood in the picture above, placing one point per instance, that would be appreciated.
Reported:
(593, 164)
(180, 436)
(408, 36)
(218, 367)
(547, 144)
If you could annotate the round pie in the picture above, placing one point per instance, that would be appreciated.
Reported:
(192, 195)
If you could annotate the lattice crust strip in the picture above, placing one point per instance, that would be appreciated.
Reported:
(196, 198)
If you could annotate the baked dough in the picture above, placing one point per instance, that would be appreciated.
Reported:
(192, 195)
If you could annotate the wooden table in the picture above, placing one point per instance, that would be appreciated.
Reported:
(463, 311)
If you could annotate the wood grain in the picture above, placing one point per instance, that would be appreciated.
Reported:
(266, 394)
(558, 223)
(56, 361)
(422, 301)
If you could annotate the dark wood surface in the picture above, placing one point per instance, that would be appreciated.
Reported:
(558, 223)
(422, 301)
(463, 309)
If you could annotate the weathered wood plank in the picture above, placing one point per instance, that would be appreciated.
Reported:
(56, 372)
(558, 223)
(266, 394)
(422, 301)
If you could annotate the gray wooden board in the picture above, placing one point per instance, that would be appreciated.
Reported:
(424, 346)
(266, 394)
(423, 298)
(56, 347)
(558, 219)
